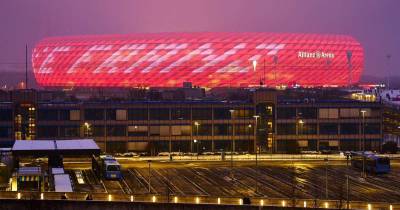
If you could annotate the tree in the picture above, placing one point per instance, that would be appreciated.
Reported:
(389, 147)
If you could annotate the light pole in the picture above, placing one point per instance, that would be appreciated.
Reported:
(326, 178)
(149, 162)
(256, 147)
(232, 144)
(197, 124)
(86, 127)
(363, 142)
(197, 147)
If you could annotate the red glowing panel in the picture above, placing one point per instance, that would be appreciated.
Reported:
(205, 59)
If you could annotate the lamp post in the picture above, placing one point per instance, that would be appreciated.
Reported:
(149, 162)
(197, 124)
(363, 142)
(232, 144)
(197, 147)
(256, 147)
(86, 127)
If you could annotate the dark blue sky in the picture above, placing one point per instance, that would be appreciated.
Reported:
(375, 23)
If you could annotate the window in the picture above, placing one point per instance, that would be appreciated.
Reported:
(328, 113)
(47, 131)
(98, 130)
(222, 129)
(180, 114)
(349, 128)
(6, 115)
(204, 130)
(159, 130)
(308, 128)
(286, 128)
(5, 132)
(202, 114)
(121, 114)
(74, 114)
(349, 113)
(246, 113)
(69, 131)
(307, 113)
(94, 114)
(63, 114)
(135, 130)
(116, 130)
(180, 130)
(159, 114)
(47, 114)
(244, 130)
(222, 113)
(286, 113)
(328, 128)
(372, 128)
(111, 114)
(137, 114)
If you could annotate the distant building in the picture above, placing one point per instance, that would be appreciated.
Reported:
(162, 120)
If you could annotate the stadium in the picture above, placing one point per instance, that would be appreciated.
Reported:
(204, 59)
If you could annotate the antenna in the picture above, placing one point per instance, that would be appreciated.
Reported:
(26, 66)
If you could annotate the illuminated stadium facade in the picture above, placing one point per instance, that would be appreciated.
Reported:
(204, 59)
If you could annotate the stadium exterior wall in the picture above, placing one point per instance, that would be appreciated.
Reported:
(204, 59)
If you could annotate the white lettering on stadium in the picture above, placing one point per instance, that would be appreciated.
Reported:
(316, 54)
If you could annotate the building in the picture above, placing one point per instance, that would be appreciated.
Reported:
(203, 59)
(286, 121)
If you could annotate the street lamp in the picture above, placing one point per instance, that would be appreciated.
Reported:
(197, 124)
(232, 144)
(86, 127)
(197, 147)
(149, 162)
(363, 142)
(256, 146)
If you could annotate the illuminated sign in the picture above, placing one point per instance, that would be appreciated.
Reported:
(316, 54)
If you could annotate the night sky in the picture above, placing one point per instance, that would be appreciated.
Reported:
(374, 23)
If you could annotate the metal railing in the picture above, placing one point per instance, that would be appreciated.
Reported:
(155, 198)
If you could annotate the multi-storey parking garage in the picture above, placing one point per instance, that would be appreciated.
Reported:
(267, 120)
